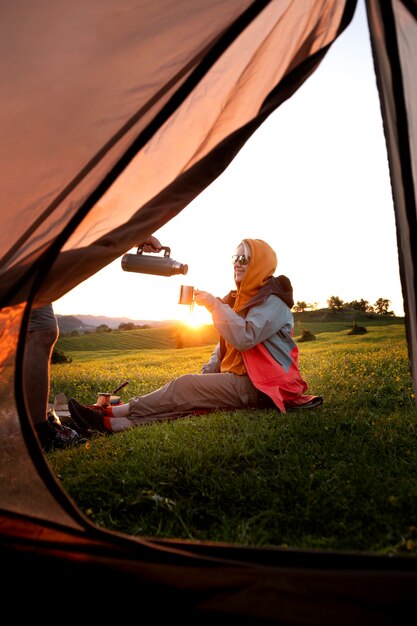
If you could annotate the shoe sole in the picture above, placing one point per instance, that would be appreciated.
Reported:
(313, 404)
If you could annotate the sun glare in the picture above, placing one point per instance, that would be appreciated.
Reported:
(195, 316)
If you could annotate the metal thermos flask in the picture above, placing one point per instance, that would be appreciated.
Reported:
(152, 263)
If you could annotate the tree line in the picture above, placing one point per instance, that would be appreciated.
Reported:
(380, 307)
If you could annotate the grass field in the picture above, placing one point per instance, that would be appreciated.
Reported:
(343, 477)
(120, 342)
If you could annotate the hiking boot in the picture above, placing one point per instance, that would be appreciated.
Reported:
(55, 436)
(265, 402)
(98, 408)
(88, 419)
(314, 403)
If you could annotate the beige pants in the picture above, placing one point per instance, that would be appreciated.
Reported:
(191, 391)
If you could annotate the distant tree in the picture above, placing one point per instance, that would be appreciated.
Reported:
(103, 328)
(360, 305)
(300, 306)
(59, 357)
(381, 307)
(335, 303)
(127, 326)
(74, 333)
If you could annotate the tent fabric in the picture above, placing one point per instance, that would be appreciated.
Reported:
(230, 585)
(393, 28)
(114, 115)
(136, 126)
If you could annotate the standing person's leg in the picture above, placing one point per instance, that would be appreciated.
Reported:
(42, 335)
(185, 393)
(39, 348)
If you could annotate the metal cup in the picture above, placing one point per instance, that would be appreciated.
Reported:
(103, 399)
(186, 295)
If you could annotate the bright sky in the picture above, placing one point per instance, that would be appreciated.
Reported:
(313, 182)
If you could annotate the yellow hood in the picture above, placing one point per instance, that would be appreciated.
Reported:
(262, 265)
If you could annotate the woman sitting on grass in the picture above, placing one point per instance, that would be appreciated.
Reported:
(254, 364)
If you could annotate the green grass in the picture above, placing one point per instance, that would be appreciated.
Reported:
(343, 477)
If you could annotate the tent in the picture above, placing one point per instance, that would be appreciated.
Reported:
(114, 115)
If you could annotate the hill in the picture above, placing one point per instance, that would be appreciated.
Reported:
(178, 336)
(70, 323)
(181, 336)
(89, 323)
(82, 323)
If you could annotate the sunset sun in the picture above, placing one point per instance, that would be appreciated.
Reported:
(195, 316)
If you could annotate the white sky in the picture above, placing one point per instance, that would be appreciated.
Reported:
(313, 182)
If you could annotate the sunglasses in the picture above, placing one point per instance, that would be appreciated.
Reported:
(240, 258)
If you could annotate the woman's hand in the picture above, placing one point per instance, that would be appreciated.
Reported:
(204, 298)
